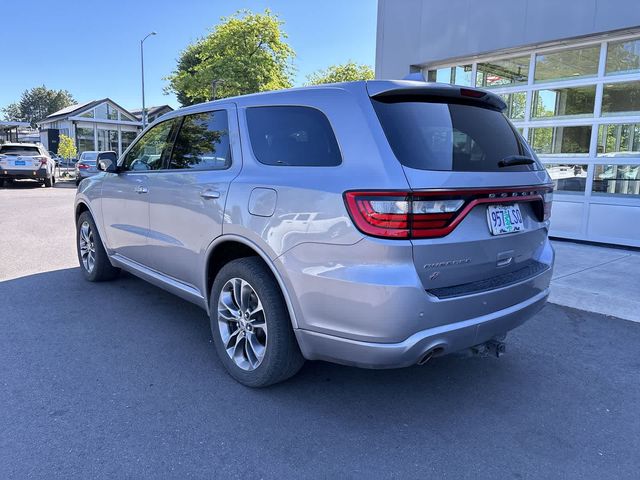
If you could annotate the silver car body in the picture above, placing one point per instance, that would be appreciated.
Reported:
(353, 298)
(88, 158)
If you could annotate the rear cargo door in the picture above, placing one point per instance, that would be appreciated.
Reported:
(481, 184)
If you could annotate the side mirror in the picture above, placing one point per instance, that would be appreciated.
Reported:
(107, 162)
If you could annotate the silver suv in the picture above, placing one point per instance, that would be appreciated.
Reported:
(375, 224)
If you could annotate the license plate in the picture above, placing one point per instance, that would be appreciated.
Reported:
(18, 163)
(504, 219)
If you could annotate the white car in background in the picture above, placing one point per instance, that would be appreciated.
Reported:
(19, 161)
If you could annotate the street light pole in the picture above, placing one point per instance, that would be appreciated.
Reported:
(214, 87)
(144, 112)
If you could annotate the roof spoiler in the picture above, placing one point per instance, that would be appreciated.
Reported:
(439, 90)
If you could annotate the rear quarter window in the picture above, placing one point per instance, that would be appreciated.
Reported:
(292, 136)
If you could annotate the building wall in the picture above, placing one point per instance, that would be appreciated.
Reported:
(421, 32)
(95, 129)
(569, 72)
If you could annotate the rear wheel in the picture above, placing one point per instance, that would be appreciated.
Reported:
(251, 326)
(92, 256)
(49, 181)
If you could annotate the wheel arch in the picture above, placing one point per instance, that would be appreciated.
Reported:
(230, 247)
(81, 207)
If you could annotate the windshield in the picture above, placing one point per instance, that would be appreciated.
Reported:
(431, 135)
(89, 156)
(19, 150)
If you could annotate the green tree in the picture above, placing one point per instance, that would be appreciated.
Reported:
(36, 104)
(348, 72)
(66, 147)
(247, 52)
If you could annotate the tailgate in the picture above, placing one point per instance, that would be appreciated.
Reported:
(480, 198)
(19, 162)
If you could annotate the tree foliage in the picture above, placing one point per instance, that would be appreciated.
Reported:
(36, 104)
(247, 51)
(347, 72)
(66, 147)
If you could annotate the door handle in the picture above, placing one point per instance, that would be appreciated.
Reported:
(209, 194)
(141, 189)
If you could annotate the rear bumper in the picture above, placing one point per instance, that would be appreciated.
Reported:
(365, 305)
(10, 174)
(447, 338)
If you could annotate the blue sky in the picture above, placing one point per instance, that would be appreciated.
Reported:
(91, 48)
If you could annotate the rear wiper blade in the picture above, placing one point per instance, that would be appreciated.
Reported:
(515, 160)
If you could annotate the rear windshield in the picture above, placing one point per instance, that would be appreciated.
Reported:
(19, 150)
(89, 156)
(428, 135)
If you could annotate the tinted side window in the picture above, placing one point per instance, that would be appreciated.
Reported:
(153, 147)
(202, 142)
(292, 136)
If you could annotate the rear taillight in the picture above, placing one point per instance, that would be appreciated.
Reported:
(431, 214)
(548, 201)
(42, 160)
(381, 214)
(83, 166)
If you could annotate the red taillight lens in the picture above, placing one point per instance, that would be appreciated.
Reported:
(379, 213)
(432, 214)
(467, 92)
(400, 214)
(42, 160)
(83, 166)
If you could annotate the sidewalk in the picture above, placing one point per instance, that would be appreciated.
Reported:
(597, 279)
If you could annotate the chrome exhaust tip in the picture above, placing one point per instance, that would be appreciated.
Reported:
(430, 354)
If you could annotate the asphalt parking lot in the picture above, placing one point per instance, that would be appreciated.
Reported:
(120, 380)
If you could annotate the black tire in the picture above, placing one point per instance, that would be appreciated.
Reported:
(102, 269)
(48, 182)
(77, 182)
(282, 358)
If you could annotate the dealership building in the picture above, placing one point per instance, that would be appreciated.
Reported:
(569, 73)
(96, 125)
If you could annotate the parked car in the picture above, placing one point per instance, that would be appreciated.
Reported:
(67, 163)
(430, 221)
(26, 161)
(85, 167)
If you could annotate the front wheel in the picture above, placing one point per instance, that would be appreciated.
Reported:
(251, 326)
(92, 256)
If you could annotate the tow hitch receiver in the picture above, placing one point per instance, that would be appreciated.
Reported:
(493, 348)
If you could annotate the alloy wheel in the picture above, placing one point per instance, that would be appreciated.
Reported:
(87, 246)
(242, 324)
